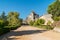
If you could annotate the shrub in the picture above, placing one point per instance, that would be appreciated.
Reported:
(39, 22)
(36, 23)
(4, 30)
(1, 23)
(1, 31)
(31, 22)
(47, 27)
(13, 27)
(49, 23)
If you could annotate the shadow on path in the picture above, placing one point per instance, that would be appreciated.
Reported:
(26, 32)
(20, 33)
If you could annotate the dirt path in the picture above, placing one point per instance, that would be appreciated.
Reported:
(30, 33)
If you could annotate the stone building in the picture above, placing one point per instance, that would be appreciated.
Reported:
(32, 17)
(47, 17)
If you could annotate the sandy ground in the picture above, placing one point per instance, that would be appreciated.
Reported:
(30, 33)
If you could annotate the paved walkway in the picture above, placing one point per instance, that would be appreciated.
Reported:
(30, 33)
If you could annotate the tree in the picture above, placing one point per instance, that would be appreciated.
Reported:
(13, 19)
(54, 9)
(3, 16)
(15, 14)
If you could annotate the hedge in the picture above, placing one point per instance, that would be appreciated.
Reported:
(8, 28)
(4, 30)
(13, 27)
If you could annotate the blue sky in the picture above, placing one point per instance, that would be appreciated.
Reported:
(24, 7)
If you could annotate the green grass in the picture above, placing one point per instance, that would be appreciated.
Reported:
(47, 27)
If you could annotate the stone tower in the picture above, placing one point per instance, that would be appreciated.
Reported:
(32, 17)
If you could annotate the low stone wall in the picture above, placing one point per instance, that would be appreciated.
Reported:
(56, 29)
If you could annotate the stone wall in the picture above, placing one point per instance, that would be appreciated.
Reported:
(47, 17)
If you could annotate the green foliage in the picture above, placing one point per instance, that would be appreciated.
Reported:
(3, 16)
(13, 20)
(49, 23)
(36, 23)
(56, 18)
(13, 14)
(4, 30)
(54, 9)
(31, 22)
(9, 22)
(39, 22)
(1, 23)
(47, 27)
